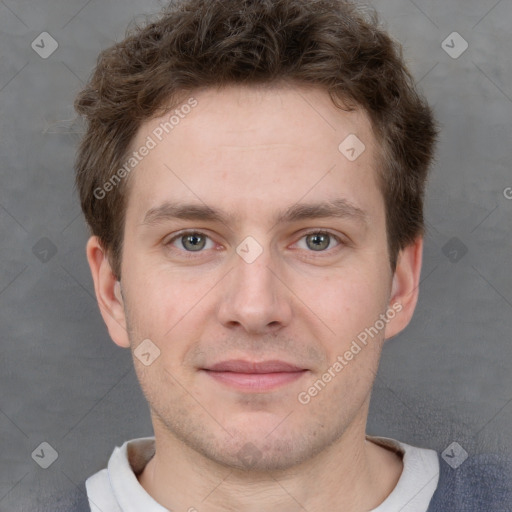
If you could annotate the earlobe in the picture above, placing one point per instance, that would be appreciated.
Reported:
(404, 288)
(108, 292)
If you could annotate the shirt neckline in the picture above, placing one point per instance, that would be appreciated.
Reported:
(417, 482)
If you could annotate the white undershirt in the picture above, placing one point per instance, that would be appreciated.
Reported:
(116, 488)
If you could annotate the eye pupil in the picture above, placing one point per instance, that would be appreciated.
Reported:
(197, 241)
(320, 241)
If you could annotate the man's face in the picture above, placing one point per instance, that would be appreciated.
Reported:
(318, 283)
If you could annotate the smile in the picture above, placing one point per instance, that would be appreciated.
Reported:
(255, 376)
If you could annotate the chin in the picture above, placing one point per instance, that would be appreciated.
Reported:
(255, 449)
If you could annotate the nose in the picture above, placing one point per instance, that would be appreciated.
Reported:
(255, 296)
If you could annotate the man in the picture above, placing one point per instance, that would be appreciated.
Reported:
(252, 174)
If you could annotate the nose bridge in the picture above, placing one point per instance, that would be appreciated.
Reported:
(253, 274)
(254, 297)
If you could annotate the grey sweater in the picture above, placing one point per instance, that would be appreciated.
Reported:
(483, 483)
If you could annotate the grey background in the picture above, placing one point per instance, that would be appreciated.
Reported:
(446, 378)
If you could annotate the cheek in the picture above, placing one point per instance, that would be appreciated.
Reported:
(349, 300)
(162, 290)
(165, 306)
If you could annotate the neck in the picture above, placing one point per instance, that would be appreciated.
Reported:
(353, 474)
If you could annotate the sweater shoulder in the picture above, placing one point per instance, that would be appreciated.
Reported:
(74, 500)
(482, 483)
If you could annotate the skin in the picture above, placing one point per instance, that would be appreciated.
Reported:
(253, 152)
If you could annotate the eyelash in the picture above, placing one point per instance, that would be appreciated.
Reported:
(192, 254)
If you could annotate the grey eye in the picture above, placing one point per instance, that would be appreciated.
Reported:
(318, 241)
(193, 241)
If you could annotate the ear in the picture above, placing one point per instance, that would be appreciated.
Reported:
(108, 292)
(405, 287)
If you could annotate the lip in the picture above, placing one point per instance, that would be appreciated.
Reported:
(250, 376)
(241, 366)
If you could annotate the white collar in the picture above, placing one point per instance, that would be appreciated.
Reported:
(117, 489)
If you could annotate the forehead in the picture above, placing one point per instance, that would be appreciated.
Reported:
(240, 144)
(275, 113)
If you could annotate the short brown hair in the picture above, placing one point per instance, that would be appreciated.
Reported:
(195, 44)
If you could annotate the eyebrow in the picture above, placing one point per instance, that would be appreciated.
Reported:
(336, 208)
